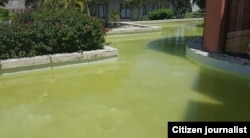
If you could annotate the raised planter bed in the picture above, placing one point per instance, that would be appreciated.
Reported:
(50, 61)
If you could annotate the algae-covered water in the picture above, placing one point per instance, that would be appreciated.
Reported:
(134, 96)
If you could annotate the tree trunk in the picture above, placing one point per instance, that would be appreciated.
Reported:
(177, 13)
(87, 7)
(143, 9)
(97, 10)
(107, 12)
(139, 11)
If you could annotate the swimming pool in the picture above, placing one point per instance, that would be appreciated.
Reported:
(149, 84)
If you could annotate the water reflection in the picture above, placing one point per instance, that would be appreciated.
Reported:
(174, 39)
(221, 95)
(169, 45)
(152, 83)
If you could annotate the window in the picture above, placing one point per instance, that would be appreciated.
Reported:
(101, 10)
(145, 12)
(125, 11)
(167, 5)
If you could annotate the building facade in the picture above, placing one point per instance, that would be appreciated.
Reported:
(16, 5)
(227, 27)
(104, 8)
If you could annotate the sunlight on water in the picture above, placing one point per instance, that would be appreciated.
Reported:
(150, 84)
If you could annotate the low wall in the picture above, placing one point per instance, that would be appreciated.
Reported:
(195, 52)
(38, 62)
(145, 27)
(166, 21)
(135, 28)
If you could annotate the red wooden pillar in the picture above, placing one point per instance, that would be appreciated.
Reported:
(214, 28)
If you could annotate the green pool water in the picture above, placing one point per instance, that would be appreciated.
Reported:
(149, 84)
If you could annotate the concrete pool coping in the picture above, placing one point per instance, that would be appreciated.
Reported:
(145, 27)
(237, 65)
(56, 60)
(165, 21)
(139, 29)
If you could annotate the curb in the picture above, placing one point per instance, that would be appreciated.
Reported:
(166, 21)
(39, 62)
(142, 29)
(225, 62)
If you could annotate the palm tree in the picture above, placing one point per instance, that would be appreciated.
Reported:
(200, 3)
(68, 3)
(33, 3)
(3, 2)
(180, 7)
(5, 14)
(83, 4)
(141, 5)
(52, 3)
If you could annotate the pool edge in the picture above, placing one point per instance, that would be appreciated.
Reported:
(235, 65)
(56, 60)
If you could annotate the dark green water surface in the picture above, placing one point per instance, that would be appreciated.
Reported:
(150, 84)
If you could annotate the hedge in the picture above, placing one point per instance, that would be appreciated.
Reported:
(50, 31)
(161, 14)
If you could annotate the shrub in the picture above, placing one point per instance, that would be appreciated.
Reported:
(5, 14)
(115, 16)
(160, 14)
(49, 31)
